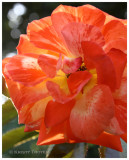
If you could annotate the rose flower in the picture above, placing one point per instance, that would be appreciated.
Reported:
(68, 79)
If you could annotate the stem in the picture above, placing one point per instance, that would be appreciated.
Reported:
(102, 151)
(80, 150)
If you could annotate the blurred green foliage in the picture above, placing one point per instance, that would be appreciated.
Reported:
(8, 112)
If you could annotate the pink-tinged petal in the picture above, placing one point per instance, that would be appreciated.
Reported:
(77, 81)
(63, 15)
(120, 44)
(22, 95)
(119, 126)
(114, 30)
(25, 70)
(104, 66)
(92, 113)
(114, 127)
(48, 63)
(74, 33)
(120, 95)
(121, 115)
(119, 60)
(71, 65)
(57, 113)
(33, 112)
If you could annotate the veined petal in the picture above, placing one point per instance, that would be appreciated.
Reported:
(114, 127)
(120, 95)
(104, 66)
(92, 113)
(38, 25)
(74, 33)
(118, 124)
(25, 46)
(33, 112)
(120, 44)
(66, 14)
(24, 69)
(43, 36)
(119, 60)
(114, 30)
(23, 95)
(57, 113)
(48, 63)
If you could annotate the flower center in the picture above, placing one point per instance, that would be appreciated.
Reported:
(82, 68)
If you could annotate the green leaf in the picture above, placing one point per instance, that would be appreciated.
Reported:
(14, 136)
(8, 112)
(69, 155)
(4, 88)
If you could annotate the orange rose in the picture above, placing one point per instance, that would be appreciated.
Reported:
(68, 79)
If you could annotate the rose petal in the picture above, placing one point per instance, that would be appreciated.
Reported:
(24, 69)
(48, 63)
(119, 126)
(119, 60)
(33, 112)
(57, 113)
(74, 33)
(25, 46)
(62, 134)
(77, 80)
(66, 14)
(104, 66)
(92, 113)
(23, 95)
(114, 30)
(71, 65)
(54, 135)
(120, 44)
